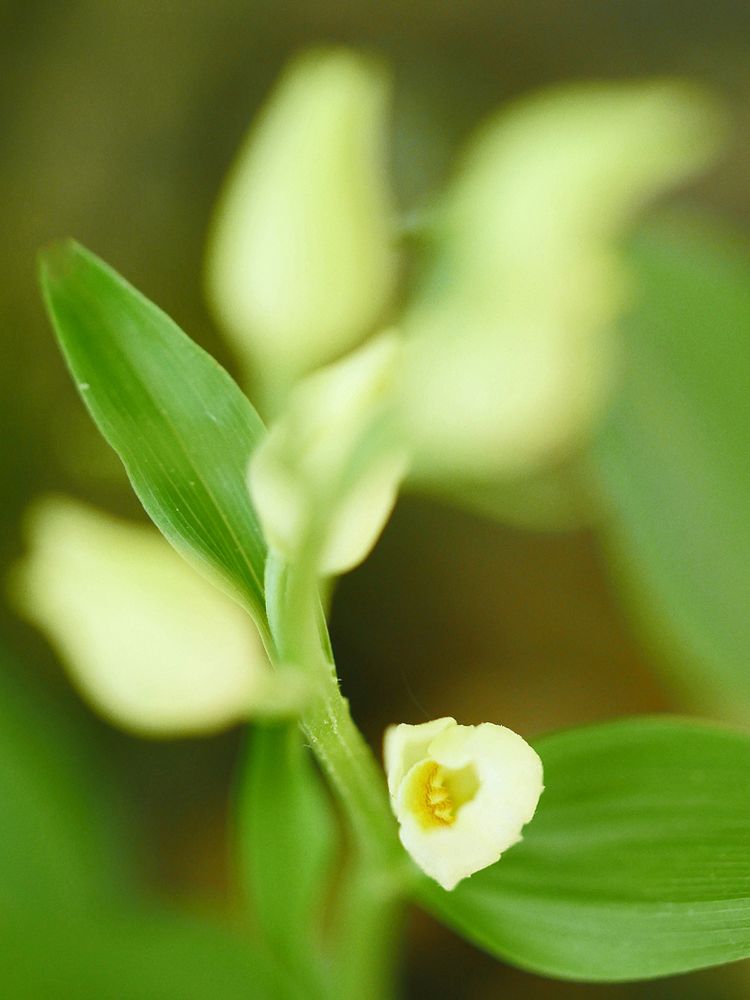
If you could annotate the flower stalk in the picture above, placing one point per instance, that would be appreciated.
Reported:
(378, 871)
(357, 780)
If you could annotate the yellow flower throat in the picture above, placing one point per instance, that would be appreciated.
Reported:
(434, 793)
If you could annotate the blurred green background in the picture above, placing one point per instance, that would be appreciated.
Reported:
(117, 125)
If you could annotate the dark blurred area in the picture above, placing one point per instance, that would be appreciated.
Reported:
(118, 122)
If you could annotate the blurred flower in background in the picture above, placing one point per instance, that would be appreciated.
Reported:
(302, 260)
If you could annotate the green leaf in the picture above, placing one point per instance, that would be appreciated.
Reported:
(286, 840)
(637, 863)
(183, 429)
(69, 925)
(136, 956)
(674, 455)
(58, 847)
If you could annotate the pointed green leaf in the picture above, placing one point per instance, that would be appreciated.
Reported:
(673, 460)
(286, 840)
(181, 426)
(637, 863)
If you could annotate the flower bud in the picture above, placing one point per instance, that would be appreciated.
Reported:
(300, 264)
(510, 348)
(151, 643)
(461, 794)
(326, 476)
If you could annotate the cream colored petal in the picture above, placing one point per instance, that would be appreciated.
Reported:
(405, 745)
(511, 348)
(510, 779)
(300, 262)
(362, 513)
(278, 493)
(317, 479)
(148, 641)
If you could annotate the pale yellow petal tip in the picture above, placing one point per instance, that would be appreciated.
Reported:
(301, 261)
(461, 794)
(322, 477)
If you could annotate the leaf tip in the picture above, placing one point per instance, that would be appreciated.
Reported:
(57, 259)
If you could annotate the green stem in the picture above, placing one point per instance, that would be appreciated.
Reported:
(357, 779)
(367, 921)
(369, 925)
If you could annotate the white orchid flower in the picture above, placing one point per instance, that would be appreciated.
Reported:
(461, 794)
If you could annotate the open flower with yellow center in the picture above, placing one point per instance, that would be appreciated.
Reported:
(461, 794)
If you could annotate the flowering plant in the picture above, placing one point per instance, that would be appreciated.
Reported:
(493, 368)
